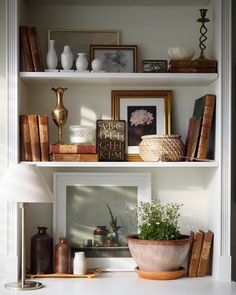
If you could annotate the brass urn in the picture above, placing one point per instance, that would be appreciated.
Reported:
(60, 113)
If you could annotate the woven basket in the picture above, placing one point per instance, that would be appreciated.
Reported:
(164, 148)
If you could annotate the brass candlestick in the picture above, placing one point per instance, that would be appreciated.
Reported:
(203, 31)
(60, 113)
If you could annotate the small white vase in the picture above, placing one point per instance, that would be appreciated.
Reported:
(81, 62)
(79, 264)
(66, 58)
(51, 59)
(97, 65)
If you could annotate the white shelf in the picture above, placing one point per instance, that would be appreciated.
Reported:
(129, 79)
(126, 164)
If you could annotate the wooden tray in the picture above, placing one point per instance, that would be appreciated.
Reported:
(91, 273)
(163, 275)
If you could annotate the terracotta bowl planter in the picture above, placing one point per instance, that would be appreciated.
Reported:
(157, 256)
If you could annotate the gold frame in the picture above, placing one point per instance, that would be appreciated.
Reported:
(117, 95)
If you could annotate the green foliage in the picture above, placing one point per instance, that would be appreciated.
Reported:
(157, 221)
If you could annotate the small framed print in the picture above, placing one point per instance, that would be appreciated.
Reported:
(145, 112)
(116, 59)
(154, 66)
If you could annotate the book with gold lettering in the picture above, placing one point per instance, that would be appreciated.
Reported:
(111, 140)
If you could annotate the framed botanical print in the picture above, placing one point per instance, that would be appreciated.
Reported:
(145, 112)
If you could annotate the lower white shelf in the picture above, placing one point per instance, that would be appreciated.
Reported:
(202, 164)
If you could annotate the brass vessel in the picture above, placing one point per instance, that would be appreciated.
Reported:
(60, 113)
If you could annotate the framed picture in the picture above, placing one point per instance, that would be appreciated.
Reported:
(80, 40)
(154, 66)
(116, 59)
(145, 112)
(78, 196)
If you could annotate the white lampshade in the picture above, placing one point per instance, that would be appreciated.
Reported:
(24, 183)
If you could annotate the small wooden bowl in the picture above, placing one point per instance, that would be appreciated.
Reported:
(163, 275)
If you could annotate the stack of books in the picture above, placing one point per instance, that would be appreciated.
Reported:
(34, 137)
(200, 254)
(30, 50)
(193, 66)
(73, 153)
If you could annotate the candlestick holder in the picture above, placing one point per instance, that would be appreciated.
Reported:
(203, 31)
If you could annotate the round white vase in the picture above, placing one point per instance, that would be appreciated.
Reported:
(81, 62)
(51, 59)
(79, 263)
(97, 65)
(66, 58)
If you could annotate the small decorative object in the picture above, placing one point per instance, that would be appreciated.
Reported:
(117, 59)
(81, 62)
(41, 252)
(81, 134)
(180, 53)
(66, 58)
(154, 66)
(62, 257)
(111, 140)
(97, 65)
(88, 243)
(51, 59)
(100, 235)
(203, 31)
(115, 228)
(79, 264)
(60, 113)
(159, 247)
(161, 148)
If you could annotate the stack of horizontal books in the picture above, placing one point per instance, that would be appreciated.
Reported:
(73, 153)
(193, 66)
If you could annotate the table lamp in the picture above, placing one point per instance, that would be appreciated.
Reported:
(23, 183)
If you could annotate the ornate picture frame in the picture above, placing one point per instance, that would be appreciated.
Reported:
(145, 112)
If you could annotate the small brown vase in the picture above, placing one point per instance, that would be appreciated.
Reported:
(60, 113)
(41, 252)
(62, 257)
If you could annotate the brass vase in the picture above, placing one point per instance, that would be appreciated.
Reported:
(60, 113)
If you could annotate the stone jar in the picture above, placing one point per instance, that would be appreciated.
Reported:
(62, 258)
(81, 62)
(66, 58)
(41, 252)
(51, 59)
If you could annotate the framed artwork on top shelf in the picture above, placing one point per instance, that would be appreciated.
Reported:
(146, 112)
(154, 66)
(80, 40)
(116, 59)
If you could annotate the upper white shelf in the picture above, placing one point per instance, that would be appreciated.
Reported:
(122, 79)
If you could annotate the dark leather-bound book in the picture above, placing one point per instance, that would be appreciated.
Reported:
(34, 136)
(197, 63)
(192, 70)
(72, 149)
(26, 152)
(205, 254)
(195, 254)
(43, 136)
(192, 137)
(25, 51)
(35, 49)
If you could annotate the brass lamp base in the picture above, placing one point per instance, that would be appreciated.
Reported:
(28, 285)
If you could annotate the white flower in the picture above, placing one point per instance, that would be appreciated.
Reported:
(141, 117)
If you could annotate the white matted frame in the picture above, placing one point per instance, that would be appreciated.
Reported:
(62, 180)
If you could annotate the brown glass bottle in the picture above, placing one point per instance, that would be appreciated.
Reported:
(100, 235)
(41, 252)
(62, 257)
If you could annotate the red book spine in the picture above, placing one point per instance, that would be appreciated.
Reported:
(43, 136)
(72, 149)
(75, 157)
(26, 152)
(34, 137)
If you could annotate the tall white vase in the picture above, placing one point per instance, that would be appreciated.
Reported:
(66, 58)
(51, 59)
(81, 62)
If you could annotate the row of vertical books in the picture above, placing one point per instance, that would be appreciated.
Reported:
(200, 254)
(30, 50)
(34, 137)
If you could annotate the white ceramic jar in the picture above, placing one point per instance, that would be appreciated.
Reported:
(97, 65)
(51, 59)
(66, 58)
(80, 134)
(79, 264)
(81, 62)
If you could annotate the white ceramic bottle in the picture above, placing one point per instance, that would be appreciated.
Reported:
(51, 59)
(97, 65)
(81, 62)
(67, 58)
(79, 264)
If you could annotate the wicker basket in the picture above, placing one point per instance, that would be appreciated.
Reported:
(161, 148)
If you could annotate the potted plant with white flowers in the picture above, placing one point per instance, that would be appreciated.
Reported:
(159, 249)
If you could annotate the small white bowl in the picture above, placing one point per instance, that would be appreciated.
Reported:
(180, 53)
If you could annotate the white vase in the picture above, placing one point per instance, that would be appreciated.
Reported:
(79, 264)
(66, 58)
(81, 62)
(97, 65)
(51, 59)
